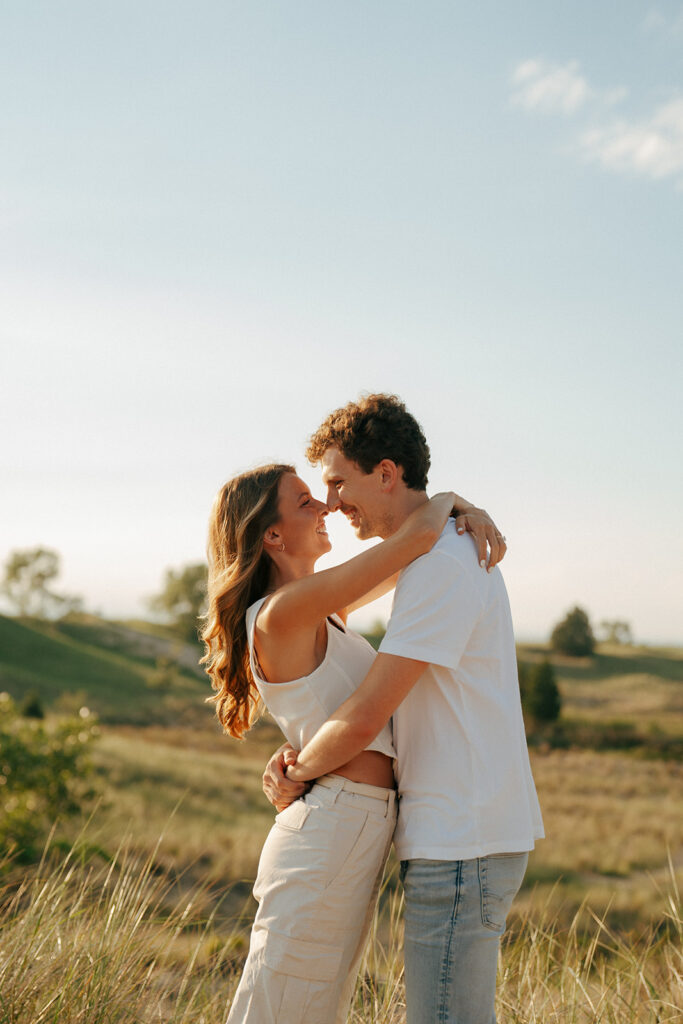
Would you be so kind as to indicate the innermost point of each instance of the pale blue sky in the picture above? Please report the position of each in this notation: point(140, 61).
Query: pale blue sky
point(220, 220)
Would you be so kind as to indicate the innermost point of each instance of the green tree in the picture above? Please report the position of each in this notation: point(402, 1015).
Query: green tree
point(616, 631)
point(183, 598)
point(573, 636)
point(28, 574)
point(542, 698)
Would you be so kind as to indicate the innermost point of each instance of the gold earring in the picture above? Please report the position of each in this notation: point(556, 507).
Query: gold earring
point(282, 546)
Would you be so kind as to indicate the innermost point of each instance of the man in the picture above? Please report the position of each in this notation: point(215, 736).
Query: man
point(446, 671)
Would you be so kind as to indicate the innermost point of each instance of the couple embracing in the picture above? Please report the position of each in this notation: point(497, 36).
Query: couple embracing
point(422, 743)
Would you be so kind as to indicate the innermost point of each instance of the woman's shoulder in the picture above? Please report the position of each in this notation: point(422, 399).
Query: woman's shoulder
point(251, 614)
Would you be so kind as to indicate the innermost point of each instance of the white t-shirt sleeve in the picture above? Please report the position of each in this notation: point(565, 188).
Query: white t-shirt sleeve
point(436, 607)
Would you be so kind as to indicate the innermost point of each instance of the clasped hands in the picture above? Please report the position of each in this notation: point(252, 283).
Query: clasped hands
point(280, 790)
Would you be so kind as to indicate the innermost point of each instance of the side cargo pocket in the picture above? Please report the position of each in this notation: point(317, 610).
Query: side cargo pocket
point(308, 977)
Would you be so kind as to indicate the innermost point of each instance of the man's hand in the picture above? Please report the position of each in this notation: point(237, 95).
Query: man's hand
point(485, 533)
point(280, 790)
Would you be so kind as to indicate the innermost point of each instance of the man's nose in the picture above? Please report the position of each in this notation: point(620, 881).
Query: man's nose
point(333, 500)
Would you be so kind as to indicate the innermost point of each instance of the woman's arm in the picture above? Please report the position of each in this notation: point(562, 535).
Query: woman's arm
point(311, 599)
point(372, 595)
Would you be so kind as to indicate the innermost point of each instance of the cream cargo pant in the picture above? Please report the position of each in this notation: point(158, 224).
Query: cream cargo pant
point(317, 885)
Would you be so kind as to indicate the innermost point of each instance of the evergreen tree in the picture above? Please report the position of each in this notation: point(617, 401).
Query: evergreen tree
point(523, 668)
point(543, 701)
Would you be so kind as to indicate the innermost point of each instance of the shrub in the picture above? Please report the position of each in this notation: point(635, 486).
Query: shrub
point(574, 636)
point(541, 694)
point(31, 706)
point(44, 773)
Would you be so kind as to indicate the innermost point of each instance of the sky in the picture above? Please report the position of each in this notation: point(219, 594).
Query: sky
point(219, 221)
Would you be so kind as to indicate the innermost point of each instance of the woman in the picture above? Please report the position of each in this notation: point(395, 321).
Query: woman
point(275, 635)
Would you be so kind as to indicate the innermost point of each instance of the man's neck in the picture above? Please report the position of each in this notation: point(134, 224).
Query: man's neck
point(403, 503)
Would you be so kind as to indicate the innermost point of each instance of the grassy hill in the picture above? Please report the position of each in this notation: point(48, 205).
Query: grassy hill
point(125, 676)
point(620, 698)
point(116, 668)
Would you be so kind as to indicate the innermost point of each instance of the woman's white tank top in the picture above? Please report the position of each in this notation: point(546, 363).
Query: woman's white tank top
point(300, 706)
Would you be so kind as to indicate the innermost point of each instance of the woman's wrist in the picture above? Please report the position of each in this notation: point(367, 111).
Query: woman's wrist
point(461, 506)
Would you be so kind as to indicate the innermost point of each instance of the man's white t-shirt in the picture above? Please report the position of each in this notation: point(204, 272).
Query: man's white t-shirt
point(463, 772)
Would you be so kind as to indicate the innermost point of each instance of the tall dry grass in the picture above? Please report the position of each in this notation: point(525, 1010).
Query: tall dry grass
point(102, 944)
point(83, 942)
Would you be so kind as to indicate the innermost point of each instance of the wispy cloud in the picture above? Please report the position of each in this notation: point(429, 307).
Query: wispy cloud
point(651, 147)
point(553, 88)
point(656, 22)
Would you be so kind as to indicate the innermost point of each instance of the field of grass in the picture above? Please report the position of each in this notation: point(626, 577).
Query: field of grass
point(613, 822)
point(117, 944)
point(156, 894)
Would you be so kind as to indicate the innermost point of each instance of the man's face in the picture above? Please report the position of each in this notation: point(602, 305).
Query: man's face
point(359, 495)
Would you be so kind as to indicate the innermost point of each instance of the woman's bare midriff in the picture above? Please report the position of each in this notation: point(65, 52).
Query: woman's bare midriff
point(371, 767)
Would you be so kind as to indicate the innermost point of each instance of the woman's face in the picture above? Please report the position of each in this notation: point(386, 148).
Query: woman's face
point(301, 523)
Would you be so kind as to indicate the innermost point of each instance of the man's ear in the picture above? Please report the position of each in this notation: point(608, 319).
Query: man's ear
point(389, 474)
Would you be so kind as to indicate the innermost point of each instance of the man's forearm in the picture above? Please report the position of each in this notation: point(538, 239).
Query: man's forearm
point(336, 742)
point(356, 723)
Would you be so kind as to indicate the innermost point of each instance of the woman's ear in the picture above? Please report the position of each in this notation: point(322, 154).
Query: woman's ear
point(389, 474)
point(272, 539)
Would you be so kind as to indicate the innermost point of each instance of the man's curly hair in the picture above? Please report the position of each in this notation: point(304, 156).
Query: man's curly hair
point(375, 427)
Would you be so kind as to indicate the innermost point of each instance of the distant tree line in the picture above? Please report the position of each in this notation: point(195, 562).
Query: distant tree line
point(28, 585)
point(574, 635)
point(181, 601)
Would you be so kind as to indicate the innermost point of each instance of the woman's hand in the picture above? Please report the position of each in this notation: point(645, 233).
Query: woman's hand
point(485, 533)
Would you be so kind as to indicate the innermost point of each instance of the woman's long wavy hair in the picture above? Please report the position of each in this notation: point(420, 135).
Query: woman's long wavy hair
point(239, 572)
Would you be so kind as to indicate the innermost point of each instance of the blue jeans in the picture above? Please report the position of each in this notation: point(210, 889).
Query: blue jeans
point(455, 915)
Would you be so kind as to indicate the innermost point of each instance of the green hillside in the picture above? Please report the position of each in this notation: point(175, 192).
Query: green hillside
point(638, 686)
point(117, 670)
point(119, 667)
